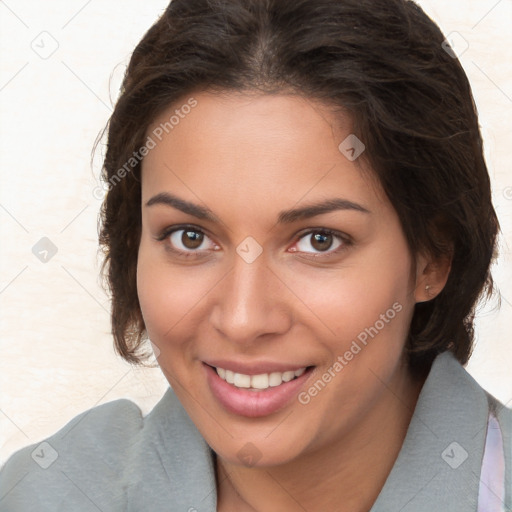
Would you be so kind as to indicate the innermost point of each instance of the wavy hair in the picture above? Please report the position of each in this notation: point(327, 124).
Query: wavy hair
point(384, 62)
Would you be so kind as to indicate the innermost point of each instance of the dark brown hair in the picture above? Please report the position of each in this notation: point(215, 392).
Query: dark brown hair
point(383, 62)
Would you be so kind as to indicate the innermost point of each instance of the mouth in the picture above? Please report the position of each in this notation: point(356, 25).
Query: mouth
point(256, 394)
point(258, 382)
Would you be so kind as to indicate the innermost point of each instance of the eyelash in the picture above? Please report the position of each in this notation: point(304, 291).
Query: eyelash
point(346, 241)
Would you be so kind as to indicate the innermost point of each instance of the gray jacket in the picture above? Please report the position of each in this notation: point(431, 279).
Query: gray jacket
point(111, 458)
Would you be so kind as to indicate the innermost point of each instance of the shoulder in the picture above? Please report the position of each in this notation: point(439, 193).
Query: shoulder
point(94, 442)
point(440, 463)
point(102, 459)
point(109, 425)
point(481, 426)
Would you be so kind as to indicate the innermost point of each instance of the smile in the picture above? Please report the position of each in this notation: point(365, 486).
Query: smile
point(255, 394)
point(258, 382)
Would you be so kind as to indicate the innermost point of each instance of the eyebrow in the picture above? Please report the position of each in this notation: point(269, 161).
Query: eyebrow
point(330, 205)
point(284, 217)
point(201, 212)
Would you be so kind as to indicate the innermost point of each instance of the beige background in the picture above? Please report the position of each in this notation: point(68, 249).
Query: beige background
point(57, 358)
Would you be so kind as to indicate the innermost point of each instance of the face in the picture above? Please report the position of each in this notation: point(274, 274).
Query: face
point(268, 254)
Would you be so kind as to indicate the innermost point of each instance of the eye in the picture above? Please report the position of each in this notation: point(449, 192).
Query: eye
point(187, 240)
point(321, 241)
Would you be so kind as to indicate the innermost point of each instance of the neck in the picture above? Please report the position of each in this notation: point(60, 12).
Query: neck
point(345, 475)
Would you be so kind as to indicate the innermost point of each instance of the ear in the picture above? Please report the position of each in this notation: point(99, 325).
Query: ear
point(431, 276)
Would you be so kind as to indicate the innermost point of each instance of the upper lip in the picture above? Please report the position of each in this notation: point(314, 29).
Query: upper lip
point(254, 367)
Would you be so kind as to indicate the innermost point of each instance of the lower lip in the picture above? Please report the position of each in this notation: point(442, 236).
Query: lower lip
point(254, 404)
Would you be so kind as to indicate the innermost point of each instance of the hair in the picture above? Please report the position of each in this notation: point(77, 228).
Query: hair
point(384, 62)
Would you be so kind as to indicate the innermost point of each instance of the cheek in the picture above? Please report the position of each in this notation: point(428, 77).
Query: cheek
point(368, 308)
point(166, 296)
point(353, 299)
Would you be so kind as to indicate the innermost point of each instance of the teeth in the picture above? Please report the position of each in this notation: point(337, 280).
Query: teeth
point(288, 376)
point(275, 379)
point(242, 381)
point(262, 381)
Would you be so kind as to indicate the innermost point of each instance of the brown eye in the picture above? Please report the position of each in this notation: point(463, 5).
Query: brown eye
point(192, 239)
point(188, 240)
point(321, 241)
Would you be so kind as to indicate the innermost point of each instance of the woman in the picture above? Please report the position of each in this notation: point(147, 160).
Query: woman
point(299, 218)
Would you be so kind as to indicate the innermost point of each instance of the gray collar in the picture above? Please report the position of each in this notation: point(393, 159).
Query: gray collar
point(439, 464)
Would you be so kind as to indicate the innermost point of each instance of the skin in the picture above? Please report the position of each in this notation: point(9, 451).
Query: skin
point(247, 157)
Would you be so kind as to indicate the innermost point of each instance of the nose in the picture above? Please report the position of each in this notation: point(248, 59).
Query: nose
point(251, 302)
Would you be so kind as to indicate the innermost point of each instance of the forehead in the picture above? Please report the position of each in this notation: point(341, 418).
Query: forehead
point(251, 149)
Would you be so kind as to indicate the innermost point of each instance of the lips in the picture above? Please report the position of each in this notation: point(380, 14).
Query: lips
point(253, 401)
